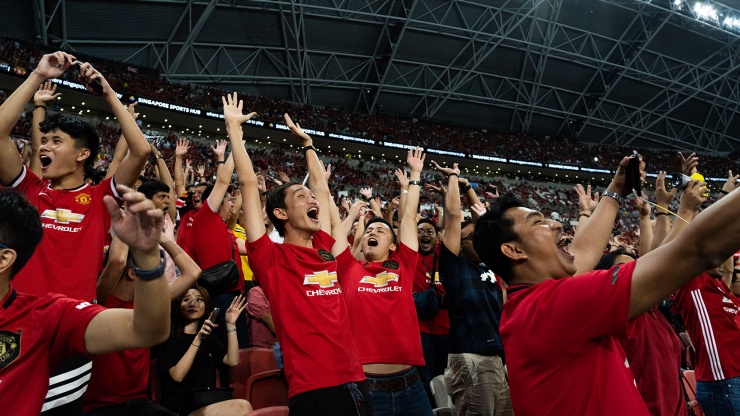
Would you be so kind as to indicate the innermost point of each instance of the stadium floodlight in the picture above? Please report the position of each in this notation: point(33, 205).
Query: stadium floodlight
point(731, 22)
point(677, 2)
point(705, 11)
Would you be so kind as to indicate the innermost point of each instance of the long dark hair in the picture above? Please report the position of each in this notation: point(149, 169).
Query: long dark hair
point(177, 329)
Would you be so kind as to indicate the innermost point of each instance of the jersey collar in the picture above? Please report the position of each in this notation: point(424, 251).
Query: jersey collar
point(9, 298)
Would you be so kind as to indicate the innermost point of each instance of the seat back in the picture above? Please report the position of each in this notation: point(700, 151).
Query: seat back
point(439, 391)
point(270, 411)
point(688, 346)
point(689, 384)
point(267, 389)
point(261, 360)
point(239, 374)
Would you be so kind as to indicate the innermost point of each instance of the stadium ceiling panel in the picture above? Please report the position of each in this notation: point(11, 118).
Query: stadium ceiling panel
point(653, 73)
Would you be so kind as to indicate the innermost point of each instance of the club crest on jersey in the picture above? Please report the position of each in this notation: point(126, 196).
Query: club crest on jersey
point(83, 199)
point(324, 279)
point(390, 264)
point(10, 347)
point(380, 279)
point(62, 216)
point(325, 255)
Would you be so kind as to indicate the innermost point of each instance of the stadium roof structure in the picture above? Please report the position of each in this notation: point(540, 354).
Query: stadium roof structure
point(652, 73)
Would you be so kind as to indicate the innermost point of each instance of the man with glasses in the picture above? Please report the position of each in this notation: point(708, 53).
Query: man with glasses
point(434, 330)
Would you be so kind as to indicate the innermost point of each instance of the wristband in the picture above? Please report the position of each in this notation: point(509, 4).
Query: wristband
point(158, 157)
point(404, 191)
point(466, 188)
point(613, 195)
point(658, 214)
point(723, 192)
point(415, 182)
point(584, 215)
point(39, 106)
point(453, 174)
point(151, 274)
point(305, 149)
point(220, 162)
point(228, 331)
point(193, 344)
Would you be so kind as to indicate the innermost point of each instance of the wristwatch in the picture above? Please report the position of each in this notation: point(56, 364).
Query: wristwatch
point(614, 195)
point(147, 275)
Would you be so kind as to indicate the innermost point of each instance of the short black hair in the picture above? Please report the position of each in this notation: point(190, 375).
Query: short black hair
point(151, 188)
point(608, 259)
point(427, 221)
point(276, 199)
point(20, 227)
point(83, 133)
point(492, 230)
point(208, 190)
point(384, 221)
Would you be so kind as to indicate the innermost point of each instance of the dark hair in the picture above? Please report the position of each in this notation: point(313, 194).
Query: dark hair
point(608, 259)
point(276, 199)
point(427, 221)
point(84, 135)
point(384, 221)
point(151, 188)
point(20, 227)
point(465, 224)
point(178, 322)
point(492, 230)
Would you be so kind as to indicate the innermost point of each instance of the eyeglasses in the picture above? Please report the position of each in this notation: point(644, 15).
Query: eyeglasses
point(427, 232)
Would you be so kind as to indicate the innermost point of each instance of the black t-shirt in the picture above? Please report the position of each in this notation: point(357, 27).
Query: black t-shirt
point(202, 374)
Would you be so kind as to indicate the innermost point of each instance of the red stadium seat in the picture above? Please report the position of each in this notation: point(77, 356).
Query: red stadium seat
point(155, 386)
point(689, 383)
point(267, 389)
point(252, 360)
point(270, 411)
point(688, 346)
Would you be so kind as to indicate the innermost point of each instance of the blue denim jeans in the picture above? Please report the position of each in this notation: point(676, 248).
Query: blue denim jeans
point(436, 349)
point(409, 401)
point(719, 398)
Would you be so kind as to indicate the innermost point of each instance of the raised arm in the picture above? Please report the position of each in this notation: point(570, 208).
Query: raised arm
point(663, 199)
point(46, 94)
point(108, 280)
point(646, 226)
point(707, 242)
point(232, 347)
point(51, 66)
point(407, 228)
point(316, 180)
point(121, 150)
point(166, 178)
point(253, 223)
point(139, 225)
point(591, 238)
point(223, 175)
point(181, 149)
point(189, 270)
point(403, 181)
point(691, 199)
point(453, 222)
point(130, 168)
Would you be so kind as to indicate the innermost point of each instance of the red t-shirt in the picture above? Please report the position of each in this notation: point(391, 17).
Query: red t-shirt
point(562, 353)
point(709, 310)
point(185, 231)
point(76, 223)
point(654, 354)
point(309, 312)
point(212, 242)
point(36, 334)
point(120, 376)
point(440, 324)
point(381, 307)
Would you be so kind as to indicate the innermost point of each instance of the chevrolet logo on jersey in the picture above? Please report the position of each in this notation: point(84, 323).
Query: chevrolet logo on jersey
point(62, 216)
point(324, 279)
point(381, 279)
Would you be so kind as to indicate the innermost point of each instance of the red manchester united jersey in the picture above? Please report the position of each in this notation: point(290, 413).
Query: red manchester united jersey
point(36, 334)
point(309, 312)
point(426, 267)
point(381, 307)
point(562, 353)
point(119, 376)
point(76, 223)
point(709, 311)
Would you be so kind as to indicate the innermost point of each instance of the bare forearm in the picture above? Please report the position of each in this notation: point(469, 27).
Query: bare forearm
point(592, 237)
point(182, 368)
point(646, 235)
point(179, 176)
point(232, 349)
point(151, 321)
point(12, 108)
point(188, 268)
